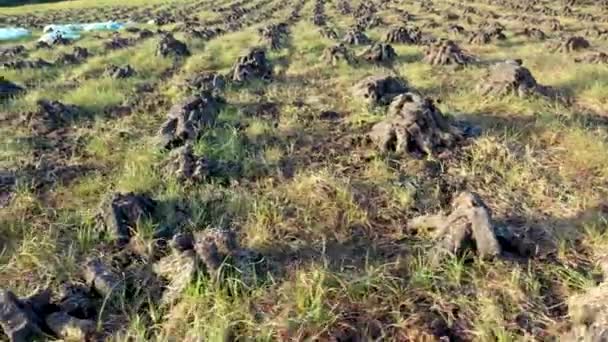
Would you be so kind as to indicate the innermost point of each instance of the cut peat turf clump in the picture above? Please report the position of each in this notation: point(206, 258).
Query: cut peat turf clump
point(187, 118)
point(589, 315)
point(305, 170)
point(186, 167)
point(337, 53)
point(380, 53)
point(32, 318)
point(274, 35)
point(415, 126)
point(468, 226)
point(252, 65)
point(207, 252)
point(9, 89)
point(168, 46)
point(480, 38)
point(571, 44)
point(403, 35)
point(328, 33)
point(121, 215)
point(511, 78)
point(26, 64)
point(12, 51)
point(356, 37)
point(379, 90)
point(206, 82)
point(50, 116)
point(593, 58)
point(533, 33)
point(117, 72)
point(77, 56)
point(446, 52)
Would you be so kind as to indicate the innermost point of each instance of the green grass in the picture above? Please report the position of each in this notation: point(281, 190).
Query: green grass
point(327, 210)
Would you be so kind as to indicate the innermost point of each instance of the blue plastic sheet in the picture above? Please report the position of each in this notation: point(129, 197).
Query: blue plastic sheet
point(107, 26)
point(12, 33)
point(73, 31)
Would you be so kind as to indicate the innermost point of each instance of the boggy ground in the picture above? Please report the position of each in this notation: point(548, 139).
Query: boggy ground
point(282, 159)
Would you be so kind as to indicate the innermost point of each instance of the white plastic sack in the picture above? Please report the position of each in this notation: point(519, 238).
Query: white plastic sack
point(73, 31)
point(12, 33)
point(51, 36)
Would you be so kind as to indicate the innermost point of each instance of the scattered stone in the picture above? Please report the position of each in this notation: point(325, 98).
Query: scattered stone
point(252, 65)
point(594, 58)
point(380, 53)
point(511, 78)
point(16, 319)
point(114, 71)
point(70, 328)
point(572, 44)
point(379, 89)
point(50, 116)
point(356, 37)
point(414, 126)
point(26, 64)
point(468, 226)
point(187, 118)
point(403, 35)
point(335, 54)
point(9, 89)
point(120, 217)
point(446, 52)
point(169, 46)
point(105, 281)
